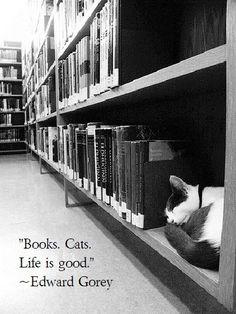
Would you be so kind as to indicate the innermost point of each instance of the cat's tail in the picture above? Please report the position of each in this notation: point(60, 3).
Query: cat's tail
point(200, 254)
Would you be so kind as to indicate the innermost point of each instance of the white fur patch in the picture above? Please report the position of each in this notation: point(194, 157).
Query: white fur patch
point(211, 194)
point(212, 228)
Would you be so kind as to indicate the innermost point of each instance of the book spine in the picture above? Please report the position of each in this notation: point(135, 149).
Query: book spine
point(85, 167)
point(103, 166)
point(109, 188)
point(128, 181)
point(116, 44)
point(98, 164)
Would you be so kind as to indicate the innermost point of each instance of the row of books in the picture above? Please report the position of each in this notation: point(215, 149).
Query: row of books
point(116, 163)
point(5, 119)
point(10, 104)
point(70, 14)
point(10, 55)
point(45, 13)
point(104, 71)
point(31, 137)
point(73, 73)
point(93, 67)
point(37, 27)
point(9, 72)
point(12, 135)
point(8, 119)
point(5, 88)
point(48, 141)
point(45, 60)
point(45, 99)
point(31, 112)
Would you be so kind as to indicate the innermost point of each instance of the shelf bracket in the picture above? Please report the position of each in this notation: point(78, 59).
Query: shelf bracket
point(67, 203)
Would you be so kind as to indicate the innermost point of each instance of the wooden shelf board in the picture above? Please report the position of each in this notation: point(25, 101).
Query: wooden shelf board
point(32, 96)
point(10, 80)
point(10, 96)
point(49, 117)
point(7, 142)
point(202, 72)
point(7, 112)
point(13, 151)
point(50, 71)
point(80, 30)
point(10, 63)
point(10, 48)
point(11, 126)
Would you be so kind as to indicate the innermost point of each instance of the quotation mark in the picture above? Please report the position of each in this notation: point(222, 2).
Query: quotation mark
point(91, 259)
point(21, 240)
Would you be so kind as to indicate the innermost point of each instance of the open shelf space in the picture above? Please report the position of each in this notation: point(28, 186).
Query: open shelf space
point(202, 72)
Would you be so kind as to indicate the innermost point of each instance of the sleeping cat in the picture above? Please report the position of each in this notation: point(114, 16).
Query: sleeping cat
point(195, 223)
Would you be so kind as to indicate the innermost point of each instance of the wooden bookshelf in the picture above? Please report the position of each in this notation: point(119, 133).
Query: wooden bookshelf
point(201, 72)
point(155, 238)
point(200, 87)
point(79, 32)
point(13, 140)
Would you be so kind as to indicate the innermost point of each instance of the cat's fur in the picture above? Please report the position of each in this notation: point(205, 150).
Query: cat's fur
point(195, 232)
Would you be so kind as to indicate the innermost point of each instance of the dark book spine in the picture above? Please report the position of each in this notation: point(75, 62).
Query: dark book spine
point(80, 157)
point(85, 177)
point(128, 181)
point(143, 157)
point(115, 198)
point(90, 163)
point(103, 165)
point(98, 164)
point(97, 54)
point(133, 181)
point(109, 188)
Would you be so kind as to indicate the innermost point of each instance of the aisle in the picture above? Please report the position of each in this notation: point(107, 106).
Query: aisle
point(32, 206)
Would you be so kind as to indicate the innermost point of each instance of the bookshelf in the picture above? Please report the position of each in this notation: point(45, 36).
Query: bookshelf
point(190, 91)
point(12, 137)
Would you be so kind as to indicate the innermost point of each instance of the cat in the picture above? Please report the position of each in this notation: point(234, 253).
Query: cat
point(194, 222)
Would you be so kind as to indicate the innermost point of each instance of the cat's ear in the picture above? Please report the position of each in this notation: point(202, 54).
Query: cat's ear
point(178, 184)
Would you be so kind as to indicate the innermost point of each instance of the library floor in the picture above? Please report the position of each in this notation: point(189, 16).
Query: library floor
point(133, 278)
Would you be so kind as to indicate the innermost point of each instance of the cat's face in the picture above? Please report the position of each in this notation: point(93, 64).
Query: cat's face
point(183, 201)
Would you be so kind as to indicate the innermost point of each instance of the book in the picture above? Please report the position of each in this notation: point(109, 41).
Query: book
point(103, 169)
point(127, 133)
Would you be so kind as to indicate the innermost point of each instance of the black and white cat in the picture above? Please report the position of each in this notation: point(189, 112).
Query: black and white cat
point(195, 224)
